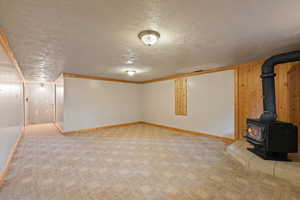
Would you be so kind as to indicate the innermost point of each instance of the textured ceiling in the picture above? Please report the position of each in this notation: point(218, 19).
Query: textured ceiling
point(97, 37)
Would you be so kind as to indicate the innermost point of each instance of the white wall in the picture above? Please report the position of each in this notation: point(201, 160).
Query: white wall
point(11, 107)
point(94, 103)
point(59, 102)
point(210, 104)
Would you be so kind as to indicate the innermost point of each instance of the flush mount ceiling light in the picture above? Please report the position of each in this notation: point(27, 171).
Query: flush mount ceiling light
point(129, 62)
point(131, 72)
point(149, 37)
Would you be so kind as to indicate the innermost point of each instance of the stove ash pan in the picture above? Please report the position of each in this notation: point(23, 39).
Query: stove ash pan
point(272, 140)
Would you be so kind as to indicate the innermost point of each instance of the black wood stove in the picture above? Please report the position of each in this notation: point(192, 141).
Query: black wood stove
point(272, 139)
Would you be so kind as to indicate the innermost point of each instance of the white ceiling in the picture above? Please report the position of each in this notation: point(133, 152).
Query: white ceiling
point(98, 37)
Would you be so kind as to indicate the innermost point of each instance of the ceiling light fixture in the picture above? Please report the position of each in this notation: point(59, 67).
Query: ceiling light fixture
point(129, 62)
point(131, 72)
point(149, 37)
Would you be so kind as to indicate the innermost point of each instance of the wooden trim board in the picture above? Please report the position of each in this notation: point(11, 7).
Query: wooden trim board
point(227, 140)
point(69, 75)
point(218, 69)
point(5, 44)
point(4, 172)
point(100, 128)
point(57, 126)
point(223, 139)
point(236, 103)
point(184, 75)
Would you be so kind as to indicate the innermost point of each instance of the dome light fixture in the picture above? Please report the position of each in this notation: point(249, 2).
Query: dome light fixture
point(131, 72)
point(129, 62)
point(149, 37)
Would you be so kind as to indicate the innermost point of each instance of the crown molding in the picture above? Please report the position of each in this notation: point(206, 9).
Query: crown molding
point(70, 75)
point(184, 75)
point(218, 69)
point(5, 44)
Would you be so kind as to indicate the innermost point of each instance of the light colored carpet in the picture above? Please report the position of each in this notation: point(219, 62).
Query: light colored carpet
point(132, 163)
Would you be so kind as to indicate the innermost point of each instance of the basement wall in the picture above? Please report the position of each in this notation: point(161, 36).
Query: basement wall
point(210, 104)
point(211, 100)
point(94, 103)
point(11, 108)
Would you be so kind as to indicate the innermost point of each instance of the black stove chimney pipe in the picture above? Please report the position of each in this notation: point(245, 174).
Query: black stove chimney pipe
point(268, 82)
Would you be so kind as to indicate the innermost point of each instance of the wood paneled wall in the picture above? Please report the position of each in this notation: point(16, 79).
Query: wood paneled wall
point(249, 93)
point(181, 96)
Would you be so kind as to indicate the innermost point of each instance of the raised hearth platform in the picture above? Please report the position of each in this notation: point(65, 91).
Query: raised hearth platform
point(289, 171)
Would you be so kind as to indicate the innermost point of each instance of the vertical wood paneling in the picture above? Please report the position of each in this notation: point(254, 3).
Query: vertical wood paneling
point(181, 96)
point(294, 95)
point(282, 91)
point(249, 96)
point(236, 103)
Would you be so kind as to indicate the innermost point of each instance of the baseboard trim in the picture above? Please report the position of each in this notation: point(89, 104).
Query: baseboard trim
point(4, 172)
point(100, 128)
point(57, 126)
point(223, 139)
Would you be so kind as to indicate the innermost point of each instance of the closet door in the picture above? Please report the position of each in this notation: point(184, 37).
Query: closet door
point(41, 103)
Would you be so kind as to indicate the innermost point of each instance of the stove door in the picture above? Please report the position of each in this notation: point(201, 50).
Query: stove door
point(256, 132)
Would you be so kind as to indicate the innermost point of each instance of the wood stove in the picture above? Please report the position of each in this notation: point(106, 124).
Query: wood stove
point(272, 139)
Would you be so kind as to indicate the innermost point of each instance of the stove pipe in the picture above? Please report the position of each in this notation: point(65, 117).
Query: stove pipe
point(268, 82)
